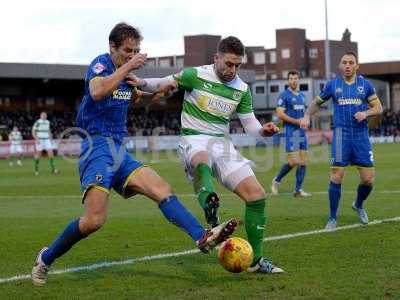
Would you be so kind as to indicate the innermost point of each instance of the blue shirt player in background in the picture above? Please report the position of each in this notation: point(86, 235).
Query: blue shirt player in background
point(354, 99)
point(104, 162)
point(290, 109)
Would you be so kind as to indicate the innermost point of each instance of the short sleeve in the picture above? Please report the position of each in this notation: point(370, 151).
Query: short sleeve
point(370, 92)
point(326, 93)
point(246, 103)
point(281, 102)
point(186, 79)
point(98, 68)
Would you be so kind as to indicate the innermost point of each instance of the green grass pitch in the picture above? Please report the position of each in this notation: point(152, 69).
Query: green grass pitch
point(357, 263)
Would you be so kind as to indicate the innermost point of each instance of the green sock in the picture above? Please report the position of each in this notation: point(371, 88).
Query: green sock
point(203, 183)
point(255, 226)
point(52, 164)
point(36, 164)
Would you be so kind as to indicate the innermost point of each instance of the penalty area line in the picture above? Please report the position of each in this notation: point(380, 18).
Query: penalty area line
point(108, 264)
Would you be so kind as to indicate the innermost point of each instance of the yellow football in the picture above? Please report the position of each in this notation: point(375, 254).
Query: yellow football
point(235, 255)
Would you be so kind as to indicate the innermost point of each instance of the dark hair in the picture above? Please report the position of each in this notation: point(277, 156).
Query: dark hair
point(121, 32)
point(293, 72)
point(231, 44)
point(353, 54)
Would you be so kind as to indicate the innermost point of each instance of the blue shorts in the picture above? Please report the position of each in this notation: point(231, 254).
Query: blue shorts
point(99, 168)
point(295, 139)
point(346, 152)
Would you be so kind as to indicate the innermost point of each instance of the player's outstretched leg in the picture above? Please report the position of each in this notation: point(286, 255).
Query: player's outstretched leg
point(204, 188)
point(150, 184)
point(96, 203)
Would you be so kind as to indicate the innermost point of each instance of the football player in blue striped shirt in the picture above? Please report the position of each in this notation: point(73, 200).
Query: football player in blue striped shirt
point(354, 100)
point(104, 163)
point(290, 109)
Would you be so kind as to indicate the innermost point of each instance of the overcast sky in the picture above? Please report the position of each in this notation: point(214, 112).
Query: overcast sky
point(74, 32)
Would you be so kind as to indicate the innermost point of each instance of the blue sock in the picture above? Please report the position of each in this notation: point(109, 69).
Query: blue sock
point(300, 174)
point(284, 170)
point(177, 214)
point(362, 193)
point(69, 237)
point(335, 191)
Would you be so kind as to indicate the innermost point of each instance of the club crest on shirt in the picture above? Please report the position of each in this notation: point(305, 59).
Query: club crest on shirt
point(338, 90)
point(236, 95)
point(98, 68)
point(99, 178)
point(360, 89)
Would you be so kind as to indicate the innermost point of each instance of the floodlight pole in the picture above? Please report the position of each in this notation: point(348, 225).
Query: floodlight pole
point(327, 48)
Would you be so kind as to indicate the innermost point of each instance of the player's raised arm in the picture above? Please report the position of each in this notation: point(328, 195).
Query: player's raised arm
point(101, 87)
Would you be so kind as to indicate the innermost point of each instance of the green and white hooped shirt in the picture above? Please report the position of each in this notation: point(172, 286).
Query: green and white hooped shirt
point(15, 137)
point(42, 128)
point(209, 103)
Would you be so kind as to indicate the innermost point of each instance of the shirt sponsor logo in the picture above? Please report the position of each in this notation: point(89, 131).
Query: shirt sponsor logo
point(216, 106)
point(349, 101)
point(98, 68)
point(298, 107)
point(122, 95)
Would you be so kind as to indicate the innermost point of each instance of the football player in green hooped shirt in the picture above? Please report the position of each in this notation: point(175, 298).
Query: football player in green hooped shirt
point(212, 94)
point(41, 133)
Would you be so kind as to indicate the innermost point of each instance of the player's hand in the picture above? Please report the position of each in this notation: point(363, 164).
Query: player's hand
point(137, 61)
point(269, 129)
point(360, 116)
point(134, 80)
point(305, 122)
point(165, 90)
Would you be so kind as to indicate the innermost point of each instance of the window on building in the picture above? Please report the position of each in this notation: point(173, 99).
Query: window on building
point(272, 57)
point(285, 73)
point(259, 58)
point(164, 63)
point(274, 76)
point(314, 73)
point(179, 62)
point(274, 88)
point(286, 86)
point(313, 53)
point(303, 87)
point(302, 52)
point(285, 53)
point(151, 62)
point(50, 101)
point(260, 90)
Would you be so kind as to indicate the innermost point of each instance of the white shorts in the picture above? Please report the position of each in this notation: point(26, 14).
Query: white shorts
point(43, 144)
point(228, 165)
point(16, 149)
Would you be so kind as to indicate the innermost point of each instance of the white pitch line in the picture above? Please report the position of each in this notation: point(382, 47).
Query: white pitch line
point(107, 264)
point(186, 195)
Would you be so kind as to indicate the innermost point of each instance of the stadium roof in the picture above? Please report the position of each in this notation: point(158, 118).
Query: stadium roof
point(77, 72)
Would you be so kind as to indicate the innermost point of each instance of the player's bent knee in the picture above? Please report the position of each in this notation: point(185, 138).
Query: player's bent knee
point(90, 224)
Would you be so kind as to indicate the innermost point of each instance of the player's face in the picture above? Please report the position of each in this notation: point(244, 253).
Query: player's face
point(15, 128)
point(293, 81)
point(43, 116)
point(348, 66)
point(125, 51)
point(227, 65)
